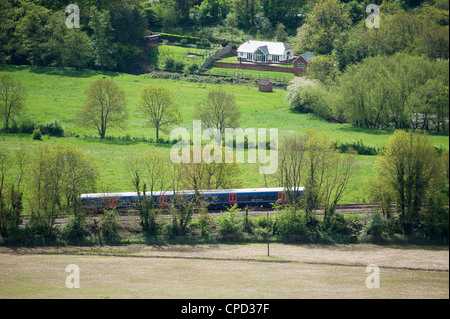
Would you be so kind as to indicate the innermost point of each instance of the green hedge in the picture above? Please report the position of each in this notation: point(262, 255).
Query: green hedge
point(178, 38)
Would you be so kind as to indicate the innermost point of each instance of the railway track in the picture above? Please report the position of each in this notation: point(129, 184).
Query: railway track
point(132, 216)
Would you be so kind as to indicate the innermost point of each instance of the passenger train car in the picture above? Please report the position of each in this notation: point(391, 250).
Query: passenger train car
point(214, 198)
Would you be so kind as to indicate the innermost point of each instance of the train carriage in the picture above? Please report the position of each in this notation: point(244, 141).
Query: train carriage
point(214, 198)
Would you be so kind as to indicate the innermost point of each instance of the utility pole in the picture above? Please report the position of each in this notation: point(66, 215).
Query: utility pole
point(268, 242)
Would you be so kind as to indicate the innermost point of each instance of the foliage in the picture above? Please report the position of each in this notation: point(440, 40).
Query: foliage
point(58, 175)
point(219, 110)
point(37, 135)
point(106, 106)
point(157, 104)
point(12, 96)
point(229, 223)
point(410, 170)
point(53, 128)
point(109, 226)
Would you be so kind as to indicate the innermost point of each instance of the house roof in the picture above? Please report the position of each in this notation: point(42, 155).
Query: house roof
point(307, 56)
point(267, 47)
point(264, 82)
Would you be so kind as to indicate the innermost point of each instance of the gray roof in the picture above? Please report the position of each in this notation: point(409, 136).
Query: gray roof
point(307, 56)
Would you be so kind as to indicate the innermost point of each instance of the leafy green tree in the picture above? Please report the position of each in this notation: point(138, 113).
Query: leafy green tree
point(323, 68)
point(323, 25)
point(407, 167)
point(30, 33)
point(77, 51)
point(58, 175)
point(102, 39)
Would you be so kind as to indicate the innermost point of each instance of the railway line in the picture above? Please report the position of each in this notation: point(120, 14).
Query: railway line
point(132, 216)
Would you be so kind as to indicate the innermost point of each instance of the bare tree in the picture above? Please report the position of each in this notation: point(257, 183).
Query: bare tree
point(311, 161)
point(106, 107)
point(291, 169)
point(148, 172)
point(219, 110)
point(158, 105)
point(12, 97)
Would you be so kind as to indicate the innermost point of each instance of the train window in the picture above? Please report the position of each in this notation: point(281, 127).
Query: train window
point(265, 196)
point(273, 196)
point(223, 198)
point(249, 197)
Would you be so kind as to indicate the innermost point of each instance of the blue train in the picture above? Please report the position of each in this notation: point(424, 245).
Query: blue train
point(214, 198)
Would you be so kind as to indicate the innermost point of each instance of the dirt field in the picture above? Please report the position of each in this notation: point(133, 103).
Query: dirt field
point(226, 271)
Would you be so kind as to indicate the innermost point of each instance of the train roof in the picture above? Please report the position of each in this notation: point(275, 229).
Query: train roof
point(190, 192)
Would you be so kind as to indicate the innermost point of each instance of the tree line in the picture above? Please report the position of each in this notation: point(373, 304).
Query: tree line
point(110, 36)
point(399, 91)
point(410, 187)
point(394, 76)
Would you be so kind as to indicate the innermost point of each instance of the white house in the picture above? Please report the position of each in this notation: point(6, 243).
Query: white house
point(264, 52)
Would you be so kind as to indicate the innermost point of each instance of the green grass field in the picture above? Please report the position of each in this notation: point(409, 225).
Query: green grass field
point(56, 93)
point(270, 75)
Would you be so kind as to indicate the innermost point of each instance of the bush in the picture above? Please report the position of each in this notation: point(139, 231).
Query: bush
point(179, 38)
point(37, 135)
point(75, 230)
point(229, 222)
point(109, 226)
point(359, 147)
point(53, 128)
point(291, 225)
point(178, 65)
point(169, 63)
point(203, 43)
point(27, 126)
point(191, 68)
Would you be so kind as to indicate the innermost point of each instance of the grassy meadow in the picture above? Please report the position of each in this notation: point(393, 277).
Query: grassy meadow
point(58, 93)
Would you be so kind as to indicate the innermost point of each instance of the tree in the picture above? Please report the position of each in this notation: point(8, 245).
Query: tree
point(406, 168)
point(323, 24)
point(58, 176)
point(77, 49)
point(324, 68)
point(311, 161)
point(105, 107)
point(102, 39)
point(11, 194)
point(12, 97)
point(219, 110)
point(158, 105)
point(148, 173)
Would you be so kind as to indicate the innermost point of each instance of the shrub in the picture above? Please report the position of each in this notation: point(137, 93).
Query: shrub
point(27, 126)
point(229, 222)
point(53, 128)
point(169, 63)
point(178, 65)
point(290, 225)
point(37, 135)
point(191, 68)
point(359, 147)
point(109, 226)
point(75, 230)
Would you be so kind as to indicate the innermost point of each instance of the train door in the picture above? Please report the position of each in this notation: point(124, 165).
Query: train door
point(163, 200)
point(281, 197)
point(113, 202)
point(232, 199)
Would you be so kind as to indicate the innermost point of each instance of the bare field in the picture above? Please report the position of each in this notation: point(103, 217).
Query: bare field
point(226, 271)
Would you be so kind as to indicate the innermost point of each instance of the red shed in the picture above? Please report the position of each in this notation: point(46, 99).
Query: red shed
point(265, 85)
